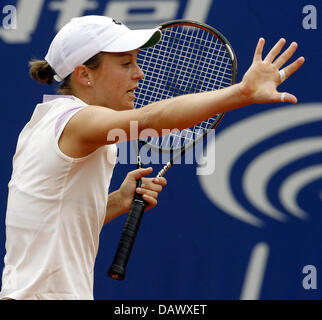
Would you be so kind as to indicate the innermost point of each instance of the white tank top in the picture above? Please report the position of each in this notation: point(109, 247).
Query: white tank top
point(56, 209)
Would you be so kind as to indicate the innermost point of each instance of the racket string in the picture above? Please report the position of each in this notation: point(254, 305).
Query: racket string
point(187, 60)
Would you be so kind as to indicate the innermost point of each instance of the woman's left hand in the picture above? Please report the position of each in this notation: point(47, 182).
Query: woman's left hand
point(150, 188)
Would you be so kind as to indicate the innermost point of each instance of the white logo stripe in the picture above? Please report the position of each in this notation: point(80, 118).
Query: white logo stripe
point(255, 272)
point(233, 141)
point(263, 167)
point(293, 184)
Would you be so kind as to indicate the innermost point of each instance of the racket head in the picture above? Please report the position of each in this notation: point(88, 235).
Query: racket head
point(191, 57)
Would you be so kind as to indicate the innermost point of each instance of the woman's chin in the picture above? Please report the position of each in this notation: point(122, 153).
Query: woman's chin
point(129, 106)
point(123, 107)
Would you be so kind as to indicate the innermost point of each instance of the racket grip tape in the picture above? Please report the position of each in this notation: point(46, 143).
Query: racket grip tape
point(128, 236)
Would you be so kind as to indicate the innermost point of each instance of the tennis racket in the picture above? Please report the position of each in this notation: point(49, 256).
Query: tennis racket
point(191, 57)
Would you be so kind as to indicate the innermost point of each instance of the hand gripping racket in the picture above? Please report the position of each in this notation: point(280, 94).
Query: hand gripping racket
point(191, 57)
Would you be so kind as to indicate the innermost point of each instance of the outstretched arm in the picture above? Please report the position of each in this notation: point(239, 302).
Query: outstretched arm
point(90, 127)
point(259, 85)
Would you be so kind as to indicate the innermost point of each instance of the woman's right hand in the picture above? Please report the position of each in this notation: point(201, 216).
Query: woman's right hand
point(260, 82)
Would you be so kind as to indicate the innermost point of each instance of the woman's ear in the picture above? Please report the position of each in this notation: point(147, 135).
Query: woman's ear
point(82, 75)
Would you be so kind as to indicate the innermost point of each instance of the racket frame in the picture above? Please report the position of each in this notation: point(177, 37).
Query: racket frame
point(132, 224)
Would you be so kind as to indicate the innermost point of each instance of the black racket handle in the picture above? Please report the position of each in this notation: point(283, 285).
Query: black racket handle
point(129, 233)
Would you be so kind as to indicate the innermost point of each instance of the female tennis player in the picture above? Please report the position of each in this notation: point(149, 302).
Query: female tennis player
point(58, 196)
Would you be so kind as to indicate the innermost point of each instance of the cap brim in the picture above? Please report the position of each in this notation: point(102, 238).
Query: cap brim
point(134, 39)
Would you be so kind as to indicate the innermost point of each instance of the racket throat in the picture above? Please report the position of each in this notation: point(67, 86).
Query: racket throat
point(164, 169)
point(138, 161)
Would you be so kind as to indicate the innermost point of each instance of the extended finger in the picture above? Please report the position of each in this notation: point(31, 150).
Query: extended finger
point(275, 51)
point(286, 97)
point(286, 55)
point(259, 50)
point(293, 67)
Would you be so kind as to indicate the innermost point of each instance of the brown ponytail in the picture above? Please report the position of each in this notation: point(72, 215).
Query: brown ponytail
point(41, 71)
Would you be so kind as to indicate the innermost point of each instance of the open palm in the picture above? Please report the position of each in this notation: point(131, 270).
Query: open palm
point(263, 77)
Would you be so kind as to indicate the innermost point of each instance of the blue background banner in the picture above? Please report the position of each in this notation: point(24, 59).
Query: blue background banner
point(251, 229)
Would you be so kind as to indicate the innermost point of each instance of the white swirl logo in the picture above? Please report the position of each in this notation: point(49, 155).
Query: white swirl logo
point(274, 145)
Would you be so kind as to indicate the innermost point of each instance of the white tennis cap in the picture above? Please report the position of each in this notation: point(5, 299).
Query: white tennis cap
point(84, 37)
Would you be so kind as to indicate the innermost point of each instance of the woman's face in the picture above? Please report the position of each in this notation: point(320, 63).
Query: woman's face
point(116, 79)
